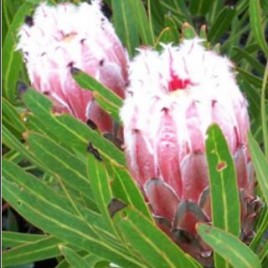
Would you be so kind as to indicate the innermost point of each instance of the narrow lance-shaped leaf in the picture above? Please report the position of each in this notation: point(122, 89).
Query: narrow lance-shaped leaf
point(14, 143)
point(51, 215)
point(125, 24)
point(264, 252)
point(253, 79)
point(257, 24)
point(261, 166)
point(146, 239)
point(145, 32)
point(90, 83)
point(178, 9)
point(12, 60)
point(261, 230)
point(229, 247)
point(107, 106)
point(200, 6)
point(223, 186)
point(95, 221)
point(12, 239)
point(169, 34)
point(11, 115)
point(223, 183)
point(30, 182)
point(221, 24)
point(73, 257)
point(44, 248)
point(60, 162)
point(241, 53)
point(100, 182)
point(91, 260)
point(126, 189)
point(68, 130)
point(264, 110)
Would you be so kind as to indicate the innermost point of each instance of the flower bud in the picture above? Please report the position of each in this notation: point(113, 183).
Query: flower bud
point(66, 36)
point(173, 97)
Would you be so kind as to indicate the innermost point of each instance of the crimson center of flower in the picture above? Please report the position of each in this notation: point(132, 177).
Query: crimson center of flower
point(177, 83)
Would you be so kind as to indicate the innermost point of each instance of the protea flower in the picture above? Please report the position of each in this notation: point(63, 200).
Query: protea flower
point(173, 97)
point(60, 37)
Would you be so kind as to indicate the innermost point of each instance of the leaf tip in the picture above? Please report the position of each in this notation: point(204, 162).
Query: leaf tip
point(115, 205)
point(74, 70)
point(91, 149)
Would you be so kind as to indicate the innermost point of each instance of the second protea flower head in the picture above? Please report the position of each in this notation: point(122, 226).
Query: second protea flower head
point(60, 37)
point(173, 97)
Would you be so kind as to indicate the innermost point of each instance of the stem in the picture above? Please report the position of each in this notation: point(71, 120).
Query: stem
point(263, 112)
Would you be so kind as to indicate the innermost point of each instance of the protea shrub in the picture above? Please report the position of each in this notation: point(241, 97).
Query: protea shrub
point(173, 97)
point(61, 37)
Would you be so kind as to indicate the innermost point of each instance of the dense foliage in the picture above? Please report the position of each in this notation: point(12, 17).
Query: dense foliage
point(61, 202)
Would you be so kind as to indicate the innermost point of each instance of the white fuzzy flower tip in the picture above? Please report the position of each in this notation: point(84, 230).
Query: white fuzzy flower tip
point(60, 37)
point(172, 99)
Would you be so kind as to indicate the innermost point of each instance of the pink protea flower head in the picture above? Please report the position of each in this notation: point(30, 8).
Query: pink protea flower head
point(173, 97)
point(60, 37)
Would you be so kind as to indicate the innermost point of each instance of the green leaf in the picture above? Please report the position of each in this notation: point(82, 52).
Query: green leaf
point(242, 54)
point(7, 17)
point(229, 247)
point(29, 181)
point(147, 240)
point(223, 185)
point(76, 129)
point(47, 210)
point(221, 24)
point(100, 182)
point(42, 248)
point(265, 262)
point(88, 82)
point(73, 257)
point(261, 166)
point(145, 31)
point(125, 188)
point(165, 37)
point(264, 252)
point(68, 130)
point(12, 118)
point(264, 109)
point(90, 259)
point(94, 261)
point(253, 97)
point(257, 24)
point(12, 62)
point(156, 14)
point(252, 79)
point(61, 163)
point(200, 6)
point(170, 33)
point(12, 239)
point(13, 143)
point(178, 9)
point(260, 232)
point(125, 24)
point(107, 106)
